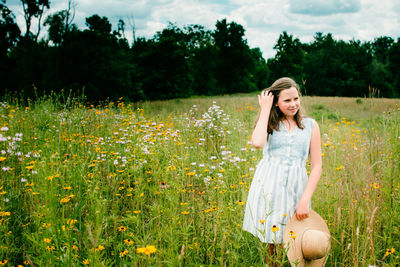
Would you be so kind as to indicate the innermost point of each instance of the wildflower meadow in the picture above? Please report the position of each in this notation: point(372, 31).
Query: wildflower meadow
point(165, 183)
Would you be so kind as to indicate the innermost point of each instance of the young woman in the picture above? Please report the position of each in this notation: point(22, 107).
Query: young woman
point(281, 187)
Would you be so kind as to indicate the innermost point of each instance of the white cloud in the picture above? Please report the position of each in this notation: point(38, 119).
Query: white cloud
point(326, 7)
point(185, 12)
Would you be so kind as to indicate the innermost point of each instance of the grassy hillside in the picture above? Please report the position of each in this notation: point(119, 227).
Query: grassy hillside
point(165, 182)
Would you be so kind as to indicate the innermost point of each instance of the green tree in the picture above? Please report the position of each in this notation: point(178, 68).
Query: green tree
point(394, 66)
point(9, 30)
point(121, 29)
point(9, 35)
point(260, 74)
point(289, 58)
point(96, 60)
point(356, 58)
point(381, 46)
point(381, 77)
point(60, 24)
point(26, 61)
point(234, 59)
point(321, 67)
point(336, 68)
point(29, 63)
point(34, 9)
point(98, 24)
point(201, 60)
point(162, 69)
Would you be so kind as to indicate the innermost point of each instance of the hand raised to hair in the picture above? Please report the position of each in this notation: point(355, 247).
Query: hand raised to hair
point(266, 99)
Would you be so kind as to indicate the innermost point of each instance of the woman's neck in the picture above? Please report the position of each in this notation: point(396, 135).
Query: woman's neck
point(288, 119)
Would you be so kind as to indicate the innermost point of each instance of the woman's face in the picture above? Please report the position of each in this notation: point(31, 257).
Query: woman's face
point(289, 102)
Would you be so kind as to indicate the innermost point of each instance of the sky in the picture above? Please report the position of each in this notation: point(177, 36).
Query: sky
point(263, 20)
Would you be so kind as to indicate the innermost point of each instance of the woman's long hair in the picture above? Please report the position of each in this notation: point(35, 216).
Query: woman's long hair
point(276, 115)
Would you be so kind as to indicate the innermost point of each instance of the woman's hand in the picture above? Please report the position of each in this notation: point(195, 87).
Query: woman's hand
point(303, 209)
point(260, 132)
point(266, 99)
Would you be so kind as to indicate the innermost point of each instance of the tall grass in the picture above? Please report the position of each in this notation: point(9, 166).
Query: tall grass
point(165, 182)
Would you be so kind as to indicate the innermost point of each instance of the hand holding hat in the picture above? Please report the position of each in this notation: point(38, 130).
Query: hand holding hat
point(307, 241)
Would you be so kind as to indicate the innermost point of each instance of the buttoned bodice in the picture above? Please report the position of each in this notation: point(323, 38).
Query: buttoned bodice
point(289, 147)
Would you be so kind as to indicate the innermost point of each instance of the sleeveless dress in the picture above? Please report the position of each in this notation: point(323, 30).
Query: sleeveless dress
point(279, 182)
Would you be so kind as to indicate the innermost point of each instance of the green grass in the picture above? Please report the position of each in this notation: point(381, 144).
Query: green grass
point(96, 185)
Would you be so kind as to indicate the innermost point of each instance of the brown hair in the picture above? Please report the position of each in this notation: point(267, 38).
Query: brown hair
point(276, 114)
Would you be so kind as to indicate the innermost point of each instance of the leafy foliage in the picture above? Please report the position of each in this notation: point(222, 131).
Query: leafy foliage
point(181, 62)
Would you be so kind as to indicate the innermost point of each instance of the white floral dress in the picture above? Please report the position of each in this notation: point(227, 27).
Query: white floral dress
point(278, 183)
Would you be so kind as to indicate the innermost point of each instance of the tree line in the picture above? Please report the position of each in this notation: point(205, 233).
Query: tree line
point(180, 62)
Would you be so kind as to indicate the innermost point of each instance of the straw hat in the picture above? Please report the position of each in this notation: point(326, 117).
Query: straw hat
point(307, 241)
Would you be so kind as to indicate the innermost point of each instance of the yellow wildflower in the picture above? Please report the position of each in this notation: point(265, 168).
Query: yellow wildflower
point(50, 248)
point(274, 228)
point(29, 167)
point(390, 251)
point(99, 248)
point(122, 228)
point(128, 242)
point(209, 210)
point(123, 253)
point(71, 221)
point(340, 168)
point(65, 200)
point(171, 168)
point(292, 234)
point(147, 250)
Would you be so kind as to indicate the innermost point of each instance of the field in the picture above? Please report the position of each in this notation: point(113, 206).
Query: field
point(164, 183)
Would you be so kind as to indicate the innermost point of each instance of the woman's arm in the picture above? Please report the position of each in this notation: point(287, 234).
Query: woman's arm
point(303, 210)
point(260, 132)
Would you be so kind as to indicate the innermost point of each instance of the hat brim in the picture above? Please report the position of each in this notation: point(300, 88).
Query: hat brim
point(293, 245)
